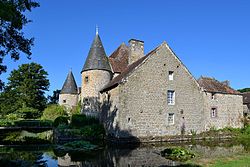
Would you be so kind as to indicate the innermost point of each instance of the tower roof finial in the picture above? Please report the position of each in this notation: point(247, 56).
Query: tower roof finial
point(96, 29)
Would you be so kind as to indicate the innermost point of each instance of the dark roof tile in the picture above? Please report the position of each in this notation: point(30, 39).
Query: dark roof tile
point(69, 86)
point(97, 58)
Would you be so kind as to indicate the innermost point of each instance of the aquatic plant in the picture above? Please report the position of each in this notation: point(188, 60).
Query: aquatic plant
point(177, 154)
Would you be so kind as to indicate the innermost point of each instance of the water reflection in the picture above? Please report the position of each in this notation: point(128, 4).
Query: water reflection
point(129, 156)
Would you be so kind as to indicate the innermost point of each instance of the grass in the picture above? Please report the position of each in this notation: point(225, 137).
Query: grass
point(236, 161)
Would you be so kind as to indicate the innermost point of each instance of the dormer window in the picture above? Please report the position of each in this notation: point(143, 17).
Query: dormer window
point(86, 79)
point(171, 75)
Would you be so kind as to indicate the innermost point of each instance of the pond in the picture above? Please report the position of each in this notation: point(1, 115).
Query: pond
point(117, 155)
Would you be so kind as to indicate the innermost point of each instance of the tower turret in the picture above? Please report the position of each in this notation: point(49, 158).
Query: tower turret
point(96, 73)
point(69, 92)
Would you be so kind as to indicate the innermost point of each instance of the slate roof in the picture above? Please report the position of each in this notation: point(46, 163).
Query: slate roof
point(69, 86)
point(246, 98)
point(119, 58)
point(97, 58)
point(118, 79)
point(212, 85)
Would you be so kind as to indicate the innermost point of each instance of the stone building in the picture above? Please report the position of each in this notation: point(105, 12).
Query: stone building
point(138, 95)
point(69, 94)
point(246, 103)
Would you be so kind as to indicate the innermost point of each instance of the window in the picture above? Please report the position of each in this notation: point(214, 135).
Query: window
point(64, 101)
point(86, 79)
point(171, 75)
point(171, 97)
point(213, 112)
point(171, 119)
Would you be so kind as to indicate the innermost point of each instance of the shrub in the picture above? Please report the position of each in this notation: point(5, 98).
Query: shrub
point(78, 120)
point(12, 117)
point(76, 109)
point(29, 123)
point(4, 122)
point(53, 111)
point(28, 112)
point(61, 120)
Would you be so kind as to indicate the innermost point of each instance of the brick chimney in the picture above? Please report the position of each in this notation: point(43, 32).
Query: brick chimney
point(136, 50)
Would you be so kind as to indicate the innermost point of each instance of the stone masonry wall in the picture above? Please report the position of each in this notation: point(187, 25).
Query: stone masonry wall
point(68, 100)
point(246, 109)
point(97, 79)
point(110, 111)
point(143, 108)
point(229, 110)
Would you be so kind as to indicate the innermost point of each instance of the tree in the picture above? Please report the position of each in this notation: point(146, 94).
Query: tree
point(25, 89)
point(55, 97)
point(244, 90)
point(12, 21)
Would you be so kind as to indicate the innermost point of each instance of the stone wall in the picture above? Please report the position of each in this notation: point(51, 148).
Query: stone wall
point(143, 108)
point(92, 82)
point(110, 111)
point(246, 109)
point(136, 50)
point(229, 110)
point(68, 100)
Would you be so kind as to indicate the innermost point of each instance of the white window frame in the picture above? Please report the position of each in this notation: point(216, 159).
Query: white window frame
point(214, 112)
point(170, 118)
point(171, 97)
point(170, 75)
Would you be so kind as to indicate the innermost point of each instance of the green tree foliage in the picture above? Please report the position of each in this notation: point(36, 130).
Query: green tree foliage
point(25, 88)
point(53, 111)
point(12, 21)
point(55, 97)
point(244, 90)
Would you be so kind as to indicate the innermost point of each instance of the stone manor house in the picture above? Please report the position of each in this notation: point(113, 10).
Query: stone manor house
point(154, 94)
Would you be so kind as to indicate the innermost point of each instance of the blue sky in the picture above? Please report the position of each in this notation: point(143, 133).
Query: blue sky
point(211, 37)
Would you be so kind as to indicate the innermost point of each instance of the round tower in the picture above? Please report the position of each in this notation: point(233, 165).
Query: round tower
point(96, 73)
point(68, 96)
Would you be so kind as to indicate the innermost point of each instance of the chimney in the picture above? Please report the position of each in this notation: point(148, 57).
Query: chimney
point(136, 50)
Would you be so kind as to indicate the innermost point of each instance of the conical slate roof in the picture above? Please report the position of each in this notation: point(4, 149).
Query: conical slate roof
point(69, 86)
point(97, 59)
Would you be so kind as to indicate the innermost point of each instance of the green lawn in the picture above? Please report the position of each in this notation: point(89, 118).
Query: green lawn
point(238, 161)
point(242, 160)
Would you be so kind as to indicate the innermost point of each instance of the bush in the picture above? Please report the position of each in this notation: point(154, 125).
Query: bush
point(76, 109)
point(79, 120)
point(61, 120)
point(12, 117)
point(29, 123)
point(28, 112)
point(4, 122)
point(53, 111)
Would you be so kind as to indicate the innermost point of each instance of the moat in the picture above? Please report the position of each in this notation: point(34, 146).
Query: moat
point(119, 155)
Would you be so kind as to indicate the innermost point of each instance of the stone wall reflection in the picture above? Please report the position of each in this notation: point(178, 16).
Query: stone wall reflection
point(140, 156)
